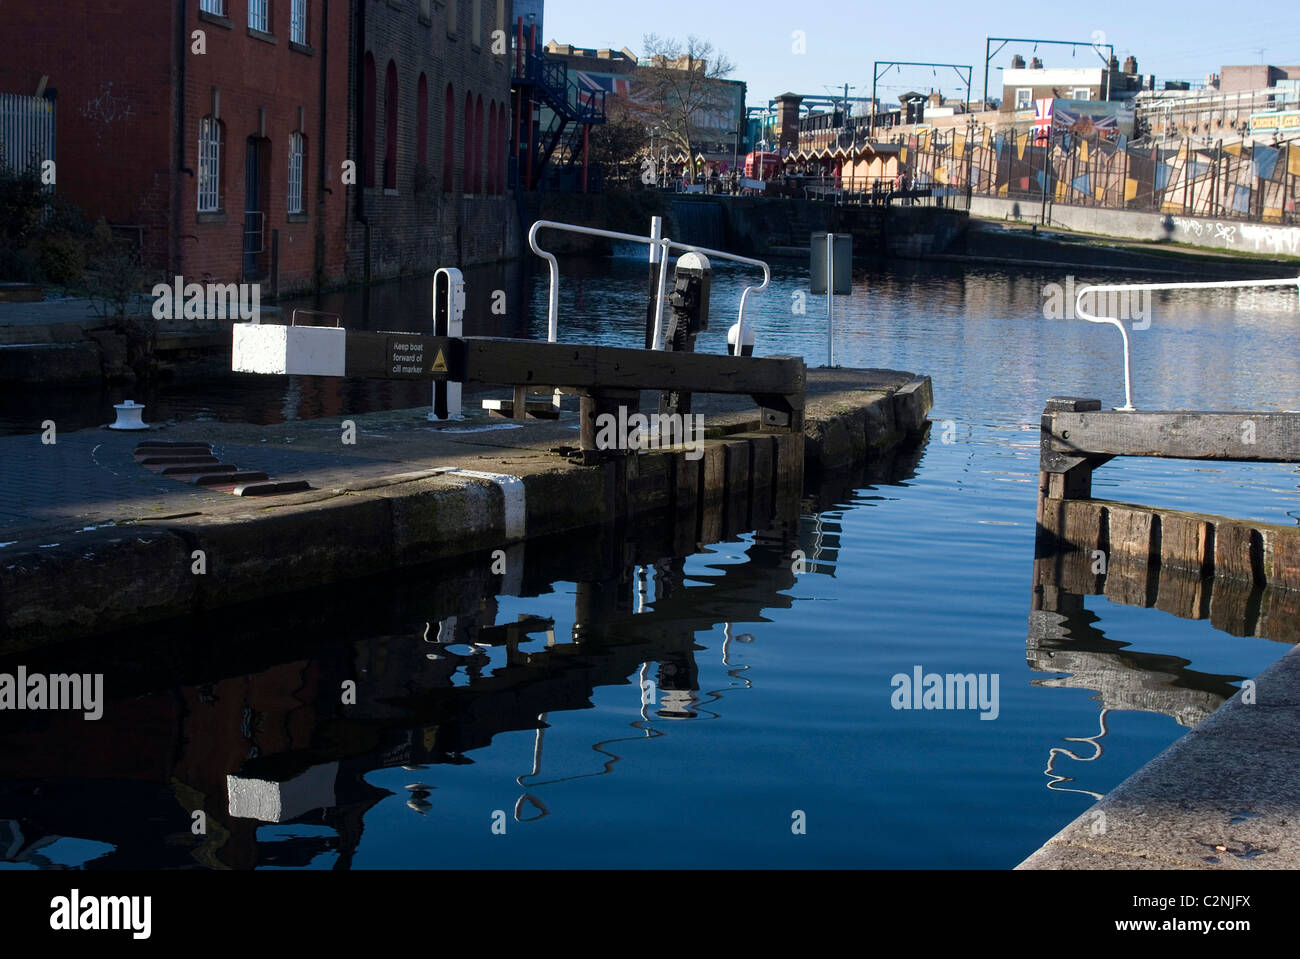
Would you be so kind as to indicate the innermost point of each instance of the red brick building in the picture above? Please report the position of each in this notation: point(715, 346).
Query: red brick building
point(219, 130)
point(217, 127)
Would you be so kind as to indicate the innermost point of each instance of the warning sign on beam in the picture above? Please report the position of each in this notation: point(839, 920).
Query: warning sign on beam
point(406, 358)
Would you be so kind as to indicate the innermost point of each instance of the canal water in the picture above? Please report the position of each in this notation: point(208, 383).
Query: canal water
point(724, 709)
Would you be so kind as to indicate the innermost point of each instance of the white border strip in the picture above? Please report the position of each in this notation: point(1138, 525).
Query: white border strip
point(512, 489)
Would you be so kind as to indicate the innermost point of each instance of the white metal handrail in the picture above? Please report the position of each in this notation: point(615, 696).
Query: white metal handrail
point(664, 244)
point(1144, 287)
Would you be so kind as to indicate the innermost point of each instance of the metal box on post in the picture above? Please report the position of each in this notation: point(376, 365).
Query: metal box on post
point(841, 276)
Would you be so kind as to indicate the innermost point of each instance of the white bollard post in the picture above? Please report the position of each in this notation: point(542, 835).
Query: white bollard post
point(747, 347)
point(448, 320)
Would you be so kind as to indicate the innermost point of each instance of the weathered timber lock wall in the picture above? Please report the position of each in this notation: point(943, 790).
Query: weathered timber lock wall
point(1077, 437)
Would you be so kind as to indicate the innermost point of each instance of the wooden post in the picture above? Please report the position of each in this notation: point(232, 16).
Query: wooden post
point(595, 405)
point(1061, 476)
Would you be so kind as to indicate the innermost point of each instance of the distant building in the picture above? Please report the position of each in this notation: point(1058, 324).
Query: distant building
point(1238, 79)
point(1239, 102)
point(786, 128)
point(1084, 100)
point(620, 73)
point(1022, 85)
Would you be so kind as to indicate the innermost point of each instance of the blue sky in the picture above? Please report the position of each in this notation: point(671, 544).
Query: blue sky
point(1182, 40)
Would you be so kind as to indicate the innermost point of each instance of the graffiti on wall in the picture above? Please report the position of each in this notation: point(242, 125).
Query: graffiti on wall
point(1256, 237)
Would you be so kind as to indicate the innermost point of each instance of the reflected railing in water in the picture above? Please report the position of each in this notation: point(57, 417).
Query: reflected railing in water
point(1063, 638)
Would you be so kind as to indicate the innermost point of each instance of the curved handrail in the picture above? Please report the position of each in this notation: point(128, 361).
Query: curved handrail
point(1080, 312)
point(665, 244)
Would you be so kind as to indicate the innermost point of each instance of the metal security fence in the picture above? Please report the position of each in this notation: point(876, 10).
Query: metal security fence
point(27, 132)
point(1185, 177)
point(1222, 178)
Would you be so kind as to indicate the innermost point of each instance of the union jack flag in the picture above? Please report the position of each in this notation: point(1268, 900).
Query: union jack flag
point(1043, 118)
point(596, 82)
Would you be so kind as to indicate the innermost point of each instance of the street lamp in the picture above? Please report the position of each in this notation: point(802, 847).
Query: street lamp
point(735, 150)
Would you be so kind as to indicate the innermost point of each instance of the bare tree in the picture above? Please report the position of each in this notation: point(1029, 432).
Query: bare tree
point(680, 91)
point(620, 139)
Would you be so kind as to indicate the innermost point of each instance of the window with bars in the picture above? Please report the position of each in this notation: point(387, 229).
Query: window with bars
point(298, 22)
point(209, 165)
point(259, 15)
point(216, 7)
point(297, 150)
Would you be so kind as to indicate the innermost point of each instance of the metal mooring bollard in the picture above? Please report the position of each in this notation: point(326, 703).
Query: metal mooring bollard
point(130, 416)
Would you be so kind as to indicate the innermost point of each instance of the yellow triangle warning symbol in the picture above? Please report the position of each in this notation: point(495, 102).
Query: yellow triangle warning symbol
point(439, 363)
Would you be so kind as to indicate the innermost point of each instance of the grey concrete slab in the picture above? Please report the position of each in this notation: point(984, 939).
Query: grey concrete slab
point(1225, 796)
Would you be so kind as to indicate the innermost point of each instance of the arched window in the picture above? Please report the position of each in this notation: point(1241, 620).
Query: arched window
point(390, 127)
point(369, 106)
point(492, 147)
point(422, 121)
point(501, 149)
point(448, 139)
point(467, 125)
point(297, 164)
point(478, 146)
point(210, 137)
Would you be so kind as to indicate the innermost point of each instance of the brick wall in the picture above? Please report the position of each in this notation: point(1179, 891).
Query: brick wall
point(417, 230)
point(114, 110)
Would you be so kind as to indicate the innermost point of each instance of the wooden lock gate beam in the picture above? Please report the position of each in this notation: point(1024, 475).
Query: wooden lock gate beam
point(602, 375)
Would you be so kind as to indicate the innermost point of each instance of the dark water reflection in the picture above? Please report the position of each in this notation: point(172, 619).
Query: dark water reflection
point(244, 716)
